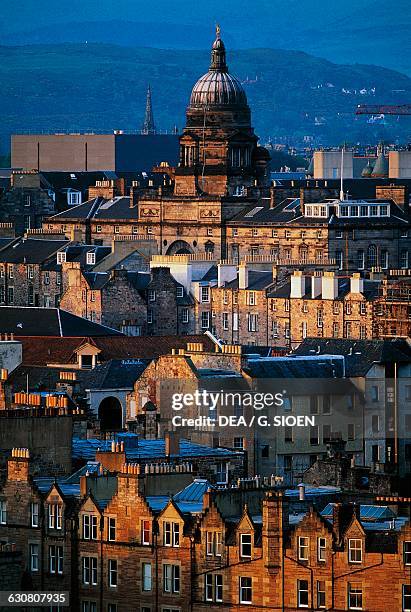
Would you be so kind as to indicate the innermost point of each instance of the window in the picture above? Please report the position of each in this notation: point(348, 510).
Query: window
point(246, 589)
point(238, 443)
point(205, 320)
point(288, 434)
point(134, 229)
point(338, 234)
point(112, 572)
point(91, 258)
point(61, 257)
point(407, 553)
point(185, 315)
point(406, 598)
point(375, 453)
point(149, 316)
point(73, 198)
point(146, 577)
point(384, 258)
point(111, 529)
point(171, 578)
point(30, 295)
point(171, 534)
point(47, 278)
point(34, 557)
point(88, 606)
point(180, 292)
point(321, 549)
point(251, 298)
point(55, 516)
point(34, 513)
point(205, 294)
point(314, 404)
point(314, 435)
point(303, 544)
point(225, 321)
point(354, 551)
point(351, 431)
point(116, 229)
point(151, 295)
point(375, 393)
point(90, 570)
point(146, 533)
point(360, 259)
point(30, 271)
point(320, 317)
point(375, 423)
point(234, 232)
point(89, 527)
point(98, 229)
point(10, 295)
point(112, 608)
point(302, 593)
point(354, 596)
point(339, 259)
point(245, 545)
point(321, 594)
point(252, 322)
point(150, 230)
point(404, 259)
point(56, 559)
point(222, 472)
point(372, 256)
point(213, 587)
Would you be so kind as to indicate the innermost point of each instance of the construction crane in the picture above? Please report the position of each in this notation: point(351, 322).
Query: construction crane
point(383, 109)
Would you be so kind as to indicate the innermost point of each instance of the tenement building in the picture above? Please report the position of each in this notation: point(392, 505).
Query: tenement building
point(115, 544)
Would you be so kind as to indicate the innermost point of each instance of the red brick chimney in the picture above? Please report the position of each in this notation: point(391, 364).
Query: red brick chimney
point(18, 465)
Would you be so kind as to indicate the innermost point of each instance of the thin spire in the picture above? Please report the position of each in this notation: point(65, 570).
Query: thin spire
point(148, 125)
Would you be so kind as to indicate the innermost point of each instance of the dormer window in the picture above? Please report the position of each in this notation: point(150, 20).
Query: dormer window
point(171, 534)
point(245, 545)
point(55, 516)
point(180, 292)
point(61, 257)
point(354, 550)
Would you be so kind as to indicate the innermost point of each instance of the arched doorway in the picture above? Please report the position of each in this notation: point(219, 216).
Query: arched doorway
point(179, 247)
point(110, 414)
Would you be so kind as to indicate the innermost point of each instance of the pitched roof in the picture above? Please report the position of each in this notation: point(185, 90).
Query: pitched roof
point(34, 321)
point(61, 350)
point(359, 355)
point(31, 250)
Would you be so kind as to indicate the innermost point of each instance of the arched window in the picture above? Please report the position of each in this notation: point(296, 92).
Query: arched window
point(372, 256)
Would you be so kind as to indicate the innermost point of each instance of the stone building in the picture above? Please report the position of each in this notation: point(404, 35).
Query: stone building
point(115, 298)
point(251, 304)
point(27, 202)
point(114, 544)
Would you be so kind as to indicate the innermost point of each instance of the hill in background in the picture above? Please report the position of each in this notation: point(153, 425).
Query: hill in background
point(95, 87)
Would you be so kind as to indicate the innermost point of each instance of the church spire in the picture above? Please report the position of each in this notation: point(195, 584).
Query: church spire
point(218, 61)
point(148, 125)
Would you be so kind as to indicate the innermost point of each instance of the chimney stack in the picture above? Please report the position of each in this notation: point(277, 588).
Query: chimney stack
point(297, 284)
point(243, 276)
point(356, 283)
point(329, 286)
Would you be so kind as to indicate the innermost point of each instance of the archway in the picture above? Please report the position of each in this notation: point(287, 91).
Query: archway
point(179, 247)
point(110, 414)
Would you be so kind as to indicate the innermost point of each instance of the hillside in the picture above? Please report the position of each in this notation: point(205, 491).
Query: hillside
point(102, 87)
point(365, 31)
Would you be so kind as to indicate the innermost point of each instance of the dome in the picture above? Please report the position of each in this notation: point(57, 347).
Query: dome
point(217, 87)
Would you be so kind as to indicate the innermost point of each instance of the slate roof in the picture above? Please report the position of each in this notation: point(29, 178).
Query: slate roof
point(257, 281)
point(283, 290)
point(148, 450)
point(34, 321)
point(31, 250)
point(290, 367)
point(359, 355)
point(97, 280)
point(115, 374)
point(99, 208)
point(61, 350)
